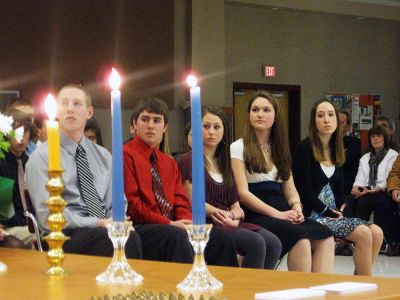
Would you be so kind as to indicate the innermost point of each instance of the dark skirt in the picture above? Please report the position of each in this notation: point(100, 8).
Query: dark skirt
point(270, 192)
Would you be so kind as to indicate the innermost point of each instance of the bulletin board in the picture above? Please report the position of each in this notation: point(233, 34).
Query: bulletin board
point(363, 109)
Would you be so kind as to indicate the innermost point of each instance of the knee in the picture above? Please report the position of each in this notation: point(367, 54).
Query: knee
point(273, 245)
point(303, 245)
point(362, 235)
point(258, 243)
point(377, 233)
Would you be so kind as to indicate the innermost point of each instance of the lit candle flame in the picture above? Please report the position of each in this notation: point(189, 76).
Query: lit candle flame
point(114, 80)
point(191, 80)
point(50, 106)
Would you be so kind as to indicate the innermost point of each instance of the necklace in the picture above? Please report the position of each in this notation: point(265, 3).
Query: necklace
point(266, 148)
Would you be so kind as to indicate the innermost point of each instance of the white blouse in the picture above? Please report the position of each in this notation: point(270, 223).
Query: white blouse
point(237, 152)
point(329, 171)
point(384, 168)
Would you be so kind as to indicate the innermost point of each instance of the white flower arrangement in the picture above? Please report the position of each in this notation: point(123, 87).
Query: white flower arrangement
point(6, 130)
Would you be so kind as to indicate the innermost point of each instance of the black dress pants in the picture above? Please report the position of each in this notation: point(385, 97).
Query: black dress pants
point(165, 242)
point(95, 241)
point(387, 217)
point(364, 205)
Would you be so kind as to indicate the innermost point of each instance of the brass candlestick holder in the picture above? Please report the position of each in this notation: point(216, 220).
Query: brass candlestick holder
point(199, 280)
point(56, 221)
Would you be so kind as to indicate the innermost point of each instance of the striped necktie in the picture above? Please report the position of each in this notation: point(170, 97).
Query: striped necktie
point(165, 207)
point(86, 185)
point(21, 183)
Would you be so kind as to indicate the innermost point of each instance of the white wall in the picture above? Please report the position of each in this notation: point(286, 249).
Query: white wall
point(320, 52)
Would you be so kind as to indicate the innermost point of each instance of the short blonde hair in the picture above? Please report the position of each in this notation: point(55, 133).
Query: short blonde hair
point(88, 98)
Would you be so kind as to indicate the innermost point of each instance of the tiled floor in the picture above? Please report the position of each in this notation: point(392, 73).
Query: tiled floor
point(384, 266)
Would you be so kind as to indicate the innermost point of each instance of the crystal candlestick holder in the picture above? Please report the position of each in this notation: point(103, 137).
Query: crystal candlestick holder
point(119, 271)
point(199, 279)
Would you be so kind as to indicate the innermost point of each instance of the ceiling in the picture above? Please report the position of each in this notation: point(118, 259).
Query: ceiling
point(377, 9)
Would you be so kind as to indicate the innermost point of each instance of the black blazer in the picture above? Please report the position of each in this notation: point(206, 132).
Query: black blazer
point(309, 179)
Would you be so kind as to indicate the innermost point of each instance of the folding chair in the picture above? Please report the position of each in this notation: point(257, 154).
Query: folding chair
point(344, 242)
point(32, 223)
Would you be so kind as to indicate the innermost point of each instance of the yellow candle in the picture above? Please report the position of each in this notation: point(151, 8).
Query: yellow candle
point(53, 134)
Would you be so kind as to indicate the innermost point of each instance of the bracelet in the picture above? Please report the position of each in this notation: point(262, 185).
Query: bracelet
point(294, 203)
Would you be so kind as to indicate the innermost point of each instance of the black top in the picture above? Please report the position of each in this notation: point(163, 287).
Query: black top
point(352, 146)
point(9, 169)
point(309, 179)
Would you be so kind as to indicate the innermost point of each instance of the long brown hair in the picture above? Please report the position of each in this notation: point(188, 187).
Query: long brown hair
point(335, 143)
point(222, 152)
point(280, 154)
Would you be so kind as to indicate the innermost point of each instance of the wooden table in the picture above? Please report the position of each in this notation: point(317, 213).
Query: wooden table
point(25, 279)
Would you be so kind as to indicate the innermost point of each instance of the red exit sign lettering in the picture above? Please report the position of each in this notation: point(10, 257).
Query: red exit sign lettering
point(268, 71)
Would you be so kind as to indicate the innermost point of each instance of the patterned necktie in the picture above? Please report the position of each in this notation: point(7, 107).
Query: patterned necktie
point(86, 185)
point(21, 183)
point(165, 207)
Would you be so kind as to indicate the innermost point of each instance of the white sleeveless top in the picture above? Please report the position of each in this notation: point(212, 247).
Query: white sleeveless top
point(237, 152)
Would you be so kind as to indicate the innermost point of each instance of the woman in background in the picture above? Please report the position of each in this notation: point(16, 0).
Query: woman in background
point(319, 178)
point(261, 164)
point(259, 247)
point(370, 184)
point(92, 131)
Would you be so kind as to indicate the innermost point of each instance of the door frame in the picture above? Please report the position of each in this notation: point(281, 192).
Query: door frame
point(294, 107)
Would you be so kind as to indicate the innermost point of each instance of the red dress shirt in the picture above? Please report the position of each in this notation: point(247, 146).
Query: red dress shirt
point(143, 207)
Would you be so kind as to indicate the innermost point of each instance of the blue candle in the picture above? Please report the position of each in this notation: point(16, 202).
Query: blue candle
point(198, 193)
point(118, 205)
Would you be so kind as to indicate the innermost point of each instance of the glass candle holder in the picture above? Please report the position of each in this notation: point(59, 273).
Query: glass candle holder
point(119, 271)
point(199, 280)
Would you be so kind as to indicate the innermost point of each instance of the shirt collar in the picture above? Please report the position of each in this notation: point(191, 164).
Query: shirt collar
point(144, 148)
point(70, 145)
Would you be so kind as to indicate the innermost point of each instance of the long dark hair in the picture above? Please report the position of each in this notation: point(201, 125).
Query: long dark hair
point(280, 154)
point(222, 152)
point(335, 143)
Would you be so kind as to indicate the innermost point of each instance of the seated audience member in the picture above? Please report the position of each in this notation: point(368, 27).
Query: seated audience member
point(370, 184)
point(186, 142)
point(259, 247)
point(92, 131)
point(318, 177)
point(157, 202)
point(87, 181)
point(261, 165)
point(388, 124)
point(22, 105)
point(352, 147)
point(387, 215)
point(9, 241)
point(131, 129)
point(40, 123)
point(163, 146)
point(12, 166)
point(25, 106)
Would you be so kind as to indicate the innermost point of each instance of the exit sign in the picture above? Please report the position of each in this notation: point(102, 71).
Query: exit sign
point(268, 71)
